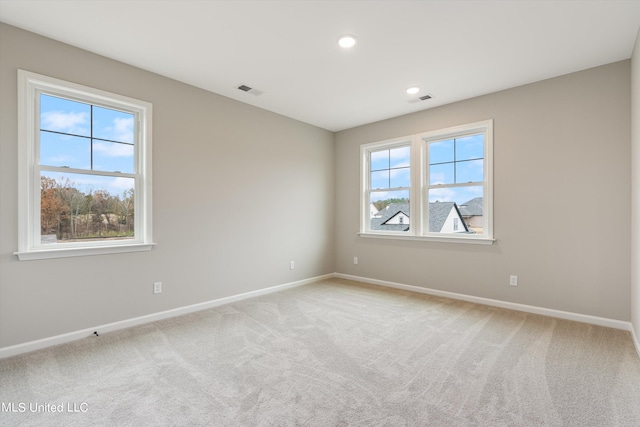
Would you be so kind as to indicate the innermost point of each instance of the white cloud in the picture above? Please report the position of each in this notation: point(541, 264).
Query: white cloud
point(118, 185)
point(58, 160)
point(123, 129)
point(455, 194)
point(120, 129)
point(442, 195)
point(437, 178)
point(402, 153)
point(75, 123)
point(110, 149)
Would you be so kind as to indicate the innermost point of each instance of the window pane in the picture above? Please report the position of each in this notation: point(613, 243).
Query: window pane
point(469, 171)
point(380, 179)
point(389, 211)
point(76, 207)
point(469, 204)
point(380, 160)
point(63, 115)
point(441, 174)
point(400, 157)
point(113, 125)
point(65, 151)
point(400, 178)
point(441, 151)
point(470, 147)
point(113, 157)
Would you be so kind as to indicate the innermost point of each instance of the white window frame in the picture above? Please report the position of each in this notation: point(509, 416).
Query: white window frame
point(418, 194)
point(365, 211)
point(30, 86)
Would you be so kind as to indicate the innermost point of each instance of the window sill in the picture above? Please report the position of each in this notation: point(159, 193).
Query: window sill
point(85, 251)
point(442, 239)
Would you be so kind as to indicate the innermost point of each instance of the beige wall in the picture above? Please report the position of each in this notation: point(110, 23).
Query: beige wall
point(214, 159)
point(562, 185)
point(635, 159)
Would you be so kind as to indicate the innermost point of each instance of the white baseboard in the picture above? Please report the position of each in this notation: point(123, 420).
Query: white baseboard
point(636, 339)
point(72, 336)
point(584, 318)
point(109, 327)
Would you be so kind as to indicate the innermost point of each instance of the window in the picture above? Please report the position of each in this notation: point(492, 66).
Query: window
point(431, 186)
point(388, 186)
point(84, 170)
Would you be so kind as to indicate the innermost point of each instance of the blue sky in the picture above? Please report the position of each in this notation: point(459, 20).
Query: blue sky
point(456, 161)
point(391, 168)
point(451, 161)
point(86, 130)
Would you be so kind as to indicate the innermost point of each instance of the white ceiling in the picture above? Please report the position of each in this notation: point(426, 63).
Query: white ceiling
point(453, 50)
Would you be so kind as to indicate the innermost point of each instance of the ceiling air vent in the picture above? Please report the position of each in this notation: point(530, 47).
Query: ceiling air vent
point(422, 98)
point(250, 90)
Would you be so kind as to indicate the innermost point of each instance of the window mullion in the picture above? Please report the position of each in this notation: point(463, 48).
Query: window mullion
point(91, 135)
point(33, 122)
point(455, 162)
point(424, 186)
point(35, 219)
point(414, 191)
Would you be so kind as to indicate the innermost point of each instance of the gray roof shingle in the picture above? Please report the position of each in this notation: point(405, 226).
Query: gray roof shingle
point(438, 214)
point(472, 208)
point(386, 214)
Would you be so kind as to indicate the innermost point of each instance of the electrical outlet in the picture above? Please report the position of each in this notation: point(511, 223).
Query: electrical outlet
point(292, 265)
point(355, 260)
point(513, 280)
point(157, 287)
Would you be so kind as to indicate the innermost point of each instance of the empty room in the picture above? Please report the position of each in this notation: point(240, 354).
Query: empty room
point(319, 213)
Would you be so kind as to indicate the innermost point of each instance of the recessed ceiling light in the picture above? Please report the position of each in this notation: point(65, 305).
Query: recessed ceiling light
point(413, 90)
point(347, 41)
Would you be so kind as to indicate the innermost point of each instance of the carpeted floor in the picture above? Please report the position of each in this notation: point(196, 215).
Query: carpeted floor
point(333, 353)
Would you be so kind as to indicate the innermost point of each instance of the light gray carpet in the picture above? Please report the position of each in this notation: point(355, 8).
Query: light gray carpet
point(334, 353)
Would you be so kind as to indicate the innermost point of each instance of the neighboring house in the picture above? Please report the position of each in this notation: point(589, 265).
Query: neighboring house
point(472, 214)
point(394, 217)
point(372, 210)
point(444, 217)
